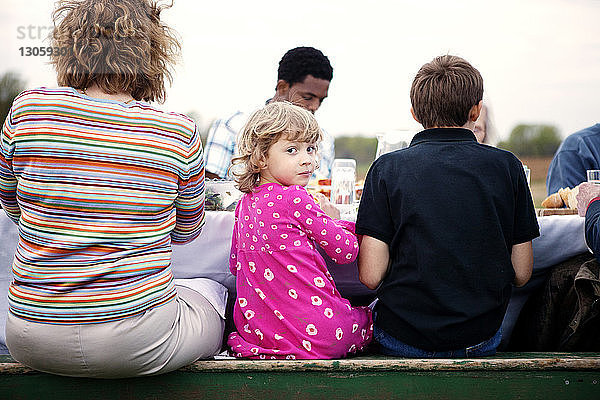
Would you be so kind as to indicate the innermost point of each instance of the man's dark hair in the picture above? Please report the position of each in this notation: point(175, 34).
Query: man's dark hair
point(444, 91)
point(302, 61)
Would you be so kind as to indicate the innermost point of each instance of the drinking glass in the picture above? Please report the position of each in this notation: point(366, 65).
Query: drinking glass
point(343, 178)
point(593, 176)
point(393, 140)
point(527, 174)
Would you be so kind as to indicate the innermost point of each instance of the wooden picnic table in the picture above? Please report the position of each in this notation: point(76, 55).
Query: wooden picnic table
point(507, 375)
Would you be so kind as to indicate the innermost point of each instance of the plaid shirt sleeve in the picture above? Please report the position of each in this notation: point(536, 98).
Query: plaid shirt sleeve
point(220, 144)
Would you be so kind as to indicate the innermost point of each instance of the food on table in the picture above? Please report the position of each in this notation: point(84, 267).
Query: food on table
point(323, 186)
point(564, 197)
point(572, 198)
point(359, 189)
point(553, 201)
point(221, 195)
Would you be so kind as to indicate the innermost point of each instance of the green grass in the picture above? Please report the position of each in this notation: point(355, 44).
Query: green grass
point(538, 191)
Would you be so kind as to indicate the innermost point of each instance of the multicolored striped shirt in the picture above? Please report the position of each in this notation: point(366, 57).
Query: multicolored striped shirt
point(100, 189)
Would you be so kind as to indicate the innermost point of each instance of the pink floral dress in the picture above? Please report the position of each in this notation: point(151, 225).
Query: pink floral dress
point(287, 304)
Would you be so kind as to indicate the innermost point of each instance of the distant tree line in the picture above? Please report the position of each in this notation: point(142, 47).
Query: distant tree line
point(360, 148)
point(532, 140)
point(10, 86)
point(524, 139)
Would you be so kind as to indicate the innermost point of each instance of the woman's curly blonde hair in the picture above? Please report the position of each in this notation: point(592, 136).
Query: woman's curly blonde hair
point(119, 45)
point(265, 127)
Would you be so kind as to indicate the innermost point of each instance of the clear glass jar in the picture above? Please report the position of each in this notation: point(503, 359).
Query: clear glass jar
point(343, 180)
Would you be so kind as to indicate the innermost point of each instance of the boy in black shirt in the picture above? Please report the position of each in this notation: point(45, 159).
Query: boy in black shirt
point(447, 225)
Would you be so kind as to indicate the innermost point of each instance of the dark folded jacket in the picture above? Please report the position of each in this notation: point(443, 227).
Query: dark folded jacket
point(565, 314)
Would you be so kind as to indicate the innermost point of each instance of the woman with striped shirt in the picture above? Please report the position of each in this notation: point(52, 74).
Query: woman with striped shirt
point(101, 184)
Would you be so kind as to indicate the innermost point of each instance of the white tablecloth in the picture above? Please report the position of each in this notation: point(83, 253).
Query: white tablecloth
point(561, 237)
point(207, 257)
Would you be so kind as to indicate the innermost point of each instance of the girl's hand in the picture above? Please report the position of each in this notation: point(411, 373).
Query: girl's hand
point(327, 207)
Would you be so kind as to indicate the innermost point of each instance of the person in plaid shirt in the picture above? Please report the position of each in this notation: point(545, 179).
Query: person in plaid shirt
point(303, 78)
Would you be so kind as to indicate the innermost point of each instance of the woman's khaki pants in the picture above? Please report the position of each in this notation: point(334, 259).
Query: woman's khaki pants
point(160, 340)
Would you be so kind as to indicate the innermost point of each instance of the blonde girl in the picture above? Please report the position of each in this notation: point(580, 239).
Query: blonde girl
point(287, 304)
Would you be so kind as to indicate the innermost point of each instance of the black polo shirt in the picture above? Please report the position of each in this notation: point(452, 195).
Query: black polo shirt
point(450, 210)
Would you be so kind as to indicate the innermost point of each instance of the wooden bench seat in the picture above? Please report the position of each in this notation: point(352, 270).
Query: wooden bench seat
point(506, 375)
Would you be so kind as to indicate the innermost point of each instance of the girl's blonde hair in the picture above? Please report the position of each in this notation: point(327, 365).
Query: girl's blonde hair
point(265, 127)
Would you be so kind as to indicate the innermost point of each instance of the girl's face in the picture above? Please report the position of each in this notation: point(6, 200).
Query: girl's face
point(289, 163)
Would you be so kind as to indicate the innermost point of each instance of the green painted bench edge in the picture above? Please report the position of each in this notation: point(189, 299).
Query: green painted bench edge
point(499, 362)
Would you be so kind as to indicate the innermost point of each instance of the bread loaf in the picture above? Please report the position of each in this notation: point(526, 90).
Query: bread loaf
point(564, 197)
point(572, 199)
point(553, 201)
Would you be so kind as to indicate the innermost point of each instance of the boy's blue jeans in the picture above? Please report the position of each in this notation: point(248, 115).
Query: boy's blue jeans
point(391, 346)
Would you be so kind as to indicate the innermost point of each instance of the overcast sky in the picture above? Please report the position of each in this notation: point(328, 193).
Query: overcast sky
point(540, 59)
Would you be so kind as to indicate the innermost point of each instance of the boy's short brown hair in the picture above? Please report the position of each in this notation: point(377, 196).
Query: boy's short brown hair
point(444, 91)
